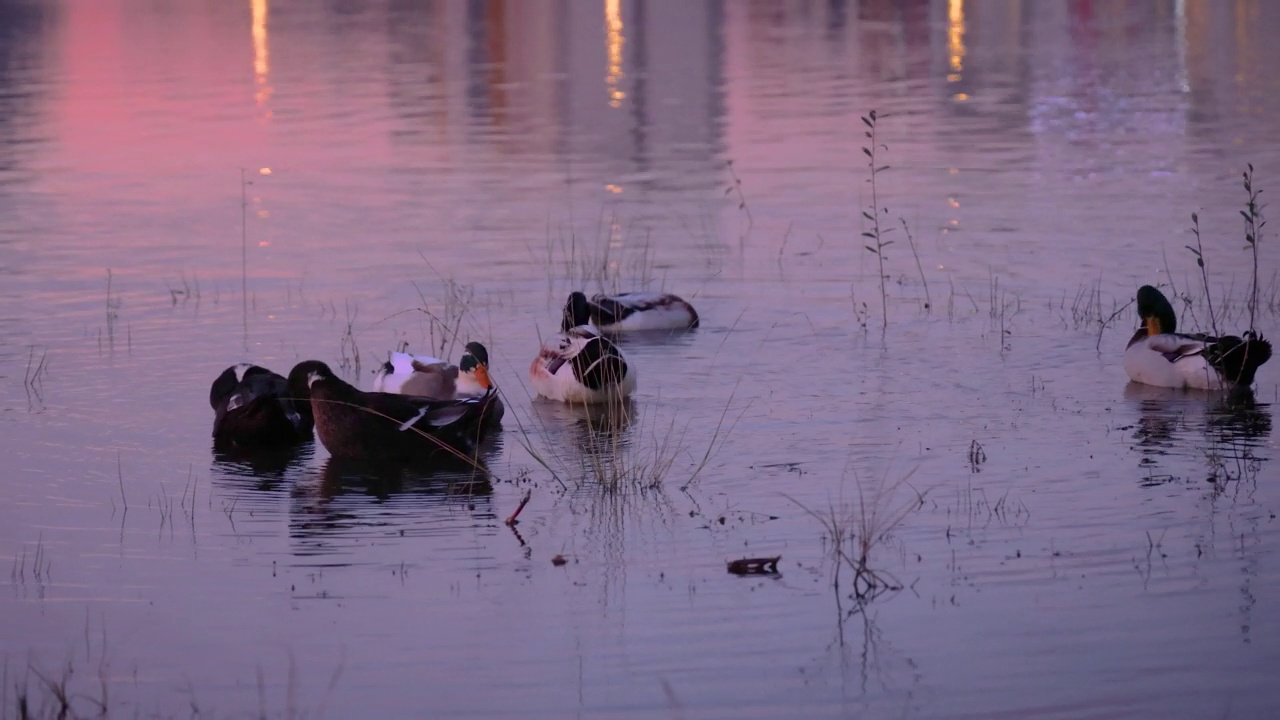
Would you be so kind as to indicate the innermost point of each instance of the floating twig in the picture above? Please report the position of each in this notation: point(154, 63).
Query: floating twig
point(523, 501)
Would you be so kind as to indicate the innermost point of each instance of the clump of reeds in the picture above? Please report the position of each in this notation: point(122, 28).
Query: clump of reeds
point(34, 376)
point(618, 454)
point(1254, 222)
point(445, 322)
point(856, 530)
point(575, 264)
point(1001, 311)
point(349, 351)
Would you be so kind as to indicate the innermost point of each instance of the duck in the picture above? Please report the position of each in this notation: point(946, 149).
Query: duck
point(628, 312)
point(427, 376)
point(431, 377)
point(1159, 355)
point(581, 366)
point(353, 424)
point(252, 408)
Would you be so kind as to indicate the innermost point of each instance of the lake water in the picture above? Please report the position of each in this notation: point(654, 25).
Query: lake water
point(184, 186)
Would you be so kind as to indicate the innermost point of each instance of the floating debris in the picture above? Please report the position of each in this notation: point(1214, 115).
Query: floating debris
point(511, 521)
point(755, 566)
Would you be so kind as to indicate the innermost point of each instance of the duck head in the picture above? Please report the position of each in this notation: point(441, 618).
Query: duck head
point(474, 364)
point(1155, 311)
point(304, 375)
point(577, 311)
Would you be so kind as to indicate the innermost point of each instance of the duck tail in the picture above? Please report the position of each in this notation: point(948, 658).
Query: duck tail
point(1239, 359)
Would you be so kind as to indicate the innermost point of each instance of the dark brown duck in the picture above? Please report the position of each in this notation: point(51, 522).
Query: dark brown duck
point(385, 426)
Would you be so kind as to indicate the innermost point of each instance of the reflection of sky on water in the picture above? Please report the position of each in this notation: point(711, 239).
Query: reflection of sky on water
point(508, 151)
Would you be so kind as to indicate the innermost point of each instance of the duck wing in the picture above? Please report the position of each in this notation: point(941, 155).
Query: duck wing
point(599, 364)
point(437, 381)
point(1175, 347)
point(398, 368)
point(565, 346)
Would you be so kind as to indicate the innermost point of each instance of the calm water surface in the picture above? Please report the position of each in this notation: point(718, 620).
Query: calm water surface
point(1084, 548)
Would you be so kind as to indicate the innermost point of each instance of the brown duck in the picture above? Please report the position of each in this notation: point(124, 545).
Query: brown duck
point(384, 426)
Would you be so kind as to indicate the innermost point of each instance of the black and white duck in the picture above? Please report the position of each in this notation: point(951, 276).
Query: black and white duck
point(581, 366)
point(628, 312)
point(252, 408)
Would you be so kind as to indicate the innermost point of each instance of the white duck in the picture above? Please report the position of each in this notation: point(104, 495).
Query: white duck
point(1158, 355)
point(629, 312)
point(581, 366)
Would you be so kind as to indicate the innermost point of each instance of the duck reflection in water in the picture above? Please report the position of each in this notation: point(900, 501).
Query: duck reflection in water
point(598, 432)
point(340, 476)
point(260, 468)
point(357, 498)
point(1232, 424)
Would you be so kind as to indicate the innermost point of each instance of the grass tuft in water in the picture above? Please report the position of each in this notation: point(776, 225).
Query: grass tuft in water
point(1198, 251)
point(1229, 306)
point(735, 188)
point(1253, 224)
point(349, 351)
point(872, 213)
point(618, 454)
point(615, 262)
point(857, 530)
point(906, 230)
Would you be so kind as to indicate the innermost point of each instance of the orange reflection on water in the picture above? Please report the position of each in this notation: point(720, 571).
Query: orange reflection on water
point(614, 44)
point(261, 55)
point(955, 37)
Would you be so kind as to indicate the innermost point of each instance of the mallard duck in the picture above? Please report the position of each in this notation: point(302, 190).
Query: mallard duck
point(1159, 355)
point(252, 409)
point(431, 377)
point(379, 425)
point(581, 366)
point(628, 312)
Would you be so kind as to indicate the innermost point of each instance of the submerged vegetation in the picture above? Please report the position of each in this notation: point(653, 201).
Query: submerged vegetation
point(856, 529)
point(615, 453)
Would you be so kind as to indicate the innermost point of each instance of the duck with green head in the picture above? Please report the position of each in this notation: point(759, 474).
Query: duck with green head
point(431, 377)
point(1159, 355)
